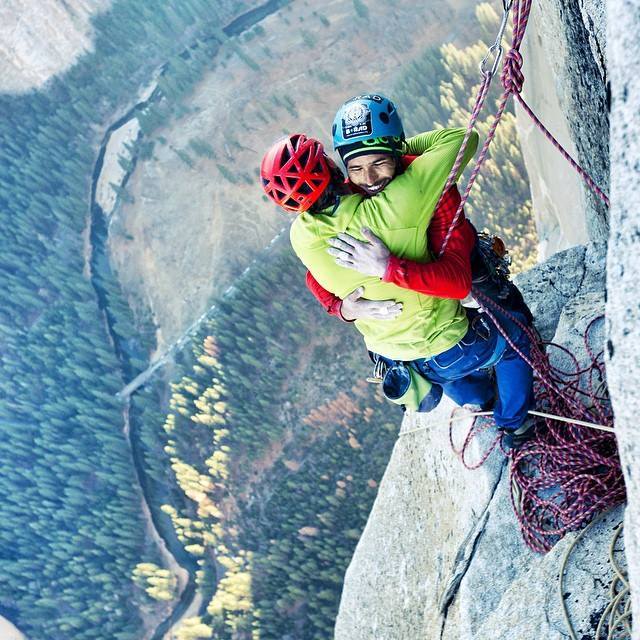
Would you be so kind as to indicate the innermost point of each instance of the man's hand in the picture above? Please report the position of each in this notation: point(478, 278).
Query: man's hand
point(370, 258)
point(355, 307)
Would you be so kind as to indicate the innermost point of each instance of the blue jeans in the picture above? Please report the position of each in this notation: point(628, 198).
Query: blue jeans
point(463, 372)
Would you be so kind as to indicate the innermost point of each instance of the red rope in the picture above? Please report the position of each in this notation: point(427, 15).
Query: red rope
point(585, 176)
point(477, 427)
point(477, 108)
point(512, 80)
point(565, 474)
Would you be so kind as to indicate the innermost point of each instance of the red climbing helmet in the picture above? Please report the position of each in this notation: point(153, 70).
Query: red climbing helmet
point(295, 172)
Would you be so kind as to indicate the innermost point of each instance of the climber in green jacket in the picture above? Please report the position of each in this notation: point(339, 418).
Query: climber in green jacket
point(399, 215)
point(432, 335)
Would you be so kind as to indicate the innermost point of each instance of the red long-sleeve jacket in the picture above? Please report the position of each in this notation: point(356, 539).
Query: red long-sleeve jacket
point(447, 277)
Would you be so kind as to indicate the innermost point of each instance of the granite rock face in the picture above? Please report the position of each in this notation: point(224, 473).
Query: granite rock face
point(567, 87)
point(623, 265)
point(39, 40)
point(557, 193)
point(441, 555)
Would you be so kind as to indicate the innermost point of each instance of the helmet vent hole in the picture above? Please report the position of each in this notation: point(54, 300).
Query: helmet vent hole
point(390, 108)
point(384, 117)
point(305, 189)
point(285, 155)
point(303, 157)
point(291, 203)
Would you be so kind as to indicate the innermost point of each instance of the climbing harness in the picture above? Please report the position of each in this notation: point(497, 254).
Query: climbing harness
point(494, 268)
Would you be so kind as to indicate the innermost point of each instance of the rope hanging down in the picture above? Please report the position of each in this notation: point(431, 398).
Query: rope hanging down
point(565, 475)
point(512, 80)
point(615, 620)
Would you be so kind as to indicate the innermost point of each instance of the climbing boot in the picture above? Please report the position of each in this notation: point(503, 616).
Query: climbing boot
point(514, 439)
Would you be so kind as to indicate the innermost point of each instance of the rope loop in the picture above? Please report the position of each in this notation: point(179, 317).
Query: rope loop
point(512, 77)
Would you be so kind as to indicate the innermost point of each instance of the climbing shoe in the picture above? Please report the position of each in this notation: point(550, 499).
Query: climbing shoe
point(514, 439)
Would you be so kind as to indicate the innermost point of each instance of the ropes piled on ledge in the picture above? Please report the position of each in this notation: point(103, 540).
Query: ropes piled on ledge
point(566, 474)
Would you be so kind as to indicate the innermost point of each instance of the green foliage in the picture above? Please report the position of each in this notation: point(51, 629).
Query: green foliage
point(158, 583)
point(185, 157)
point(122, 193)
point(71, 529)
point(202, 148)
point(309, 39)
point(263, 416)
point(145, 150)
point(323, 19)
point(228, 174)
point(325, 77)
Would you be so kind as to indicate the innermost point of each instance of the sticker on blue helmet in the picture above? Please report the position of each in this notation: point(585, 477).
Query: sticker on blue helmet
point(356, 121)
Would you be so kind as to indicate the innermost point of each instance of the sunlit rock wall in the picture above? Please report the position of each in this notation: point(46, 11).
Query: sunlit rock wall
point(623, 266)
point(566, 85)
point(41, 39)
point(441, 555)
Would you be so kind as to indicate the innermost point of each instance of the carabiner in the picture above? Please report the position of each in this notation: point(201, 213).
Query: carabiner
point(492, 50)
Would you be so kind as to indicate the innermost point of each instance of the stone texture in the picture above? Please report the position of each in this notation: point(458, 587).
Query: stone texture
point(557, 193)
point(41, 39)
point(566, 85)
point(419, 538)
point(623, 266)
point(441, 555)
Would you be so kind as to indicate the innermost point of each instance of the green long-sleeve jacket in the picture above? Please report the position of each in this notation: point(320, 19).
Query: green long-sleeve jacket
point(399, 216)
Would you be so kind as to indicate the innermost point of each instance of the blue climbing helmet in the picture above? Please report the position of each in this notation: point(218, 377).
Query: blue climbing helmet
point(367, 124)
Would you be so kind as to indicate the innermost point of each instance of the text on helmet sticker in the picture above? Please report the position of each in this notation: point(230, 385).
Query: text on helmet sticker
point(356, 121)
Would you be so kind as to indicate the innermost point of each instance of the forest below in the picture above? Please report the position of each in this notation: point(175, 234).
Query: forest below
point(266, 447)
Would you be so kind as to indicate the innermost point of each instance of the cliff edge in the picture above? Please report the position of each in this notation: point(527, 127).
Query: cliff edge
point(442, 555)
point(39, 40)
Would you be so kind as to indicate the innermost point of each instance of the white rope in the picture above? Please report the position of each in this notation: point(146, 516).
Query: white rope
point(582, 423)
point(453, 418)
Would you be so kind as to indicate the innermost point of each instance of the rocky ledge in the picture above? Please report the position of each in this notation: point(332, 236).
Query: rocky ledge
point(441, 555)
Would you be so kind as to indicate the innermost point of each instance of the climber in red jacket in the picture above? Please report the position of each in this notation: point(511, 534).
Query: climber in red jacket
point(297, 175)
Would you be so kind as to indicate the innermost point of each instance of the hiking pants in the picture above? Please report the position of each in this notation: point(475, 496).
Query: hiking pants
point(463, 370)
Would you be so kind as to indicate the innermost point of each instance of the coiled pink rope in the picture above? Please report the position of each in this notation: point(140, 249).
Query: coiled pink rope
point(565, 474)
